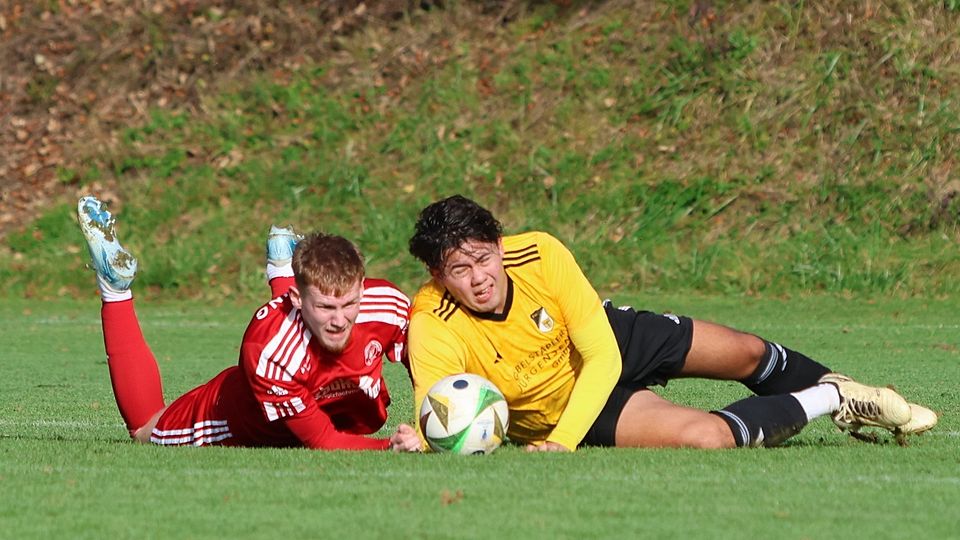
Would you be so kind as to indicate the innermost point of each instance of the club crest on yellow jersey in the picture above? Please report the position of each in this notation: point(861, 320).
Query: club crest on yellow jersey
point(543, 320)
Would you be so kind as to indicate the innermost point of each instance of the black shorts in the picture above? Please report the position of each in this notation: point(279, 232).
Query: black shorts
point(653, 349)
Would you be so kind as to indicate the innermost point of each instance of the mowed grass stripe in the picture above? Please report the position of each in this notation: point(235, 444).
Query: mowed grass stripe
point(71, 471)
point(68, 424)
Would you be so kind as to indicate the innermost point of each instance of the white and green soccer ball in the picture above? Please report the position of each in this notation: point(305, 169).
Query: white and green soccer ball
point(464, 414)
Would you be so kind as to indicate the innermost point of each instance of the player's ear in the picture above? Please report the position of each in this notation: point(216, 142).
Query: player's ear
point(295, 297)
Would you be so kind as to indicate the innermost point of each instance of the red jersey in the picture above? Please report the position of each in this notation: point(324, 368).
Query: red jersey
point(288, 391)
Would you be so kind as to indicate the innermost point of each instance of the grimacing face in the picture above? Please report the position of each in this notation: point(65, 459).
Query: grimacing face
point(473, 273)
point(330, 318)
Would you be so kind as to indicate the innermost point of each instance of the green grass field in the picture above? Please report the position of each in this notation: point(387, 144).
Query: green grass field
point(792, 166)
point(68, 470)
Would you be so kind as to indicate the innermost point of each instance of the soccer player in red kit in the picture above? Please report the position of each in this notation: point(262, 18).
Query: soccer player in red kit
point(309, 372)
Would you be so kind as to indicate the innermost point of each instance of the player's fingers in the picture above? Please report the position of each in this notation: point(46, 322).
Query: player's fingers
point(407, 444)
point(554, 447)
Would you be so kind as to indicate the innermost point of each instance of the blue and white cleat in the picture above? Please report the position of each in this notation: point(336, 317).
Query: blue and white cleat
point(280, 245)
point(115, 266)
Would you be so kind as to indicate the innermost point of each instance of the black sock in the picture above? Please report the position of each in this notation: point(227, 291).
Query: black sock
point(783, 371)
point(764, 420)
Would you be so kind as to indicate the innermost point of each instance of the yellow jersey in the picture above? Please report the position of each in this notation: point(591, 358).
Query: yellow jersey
point(551, 352)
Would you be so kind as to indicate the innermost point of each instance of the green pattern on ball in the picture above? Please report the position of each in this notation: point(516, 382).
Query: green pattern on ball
point(452, 443)
point(455, 441)
point(487, 398)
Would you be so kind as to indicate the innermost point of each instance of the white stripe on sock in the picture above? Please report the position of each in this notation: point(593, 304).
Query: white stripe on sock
point(109, 294)
point(285, 270)
point(818, 400)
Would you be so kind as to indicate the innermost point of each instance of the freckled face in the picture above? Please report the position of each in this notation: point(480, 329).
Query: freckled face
point(473, 273)
point(330, 318)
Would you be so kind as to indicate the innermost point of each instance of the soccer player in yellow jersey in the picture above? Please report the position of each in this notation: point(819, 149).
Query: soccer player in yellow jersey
point(575, 371)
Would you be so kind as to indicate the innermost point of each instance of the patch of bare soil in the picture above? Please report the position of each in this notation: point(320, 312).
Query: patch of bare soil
point(74, 73)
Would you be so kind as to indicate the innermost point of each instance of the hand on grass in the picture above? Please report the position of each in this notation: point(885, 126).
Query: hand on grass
point(405, 439)
point(547, 447)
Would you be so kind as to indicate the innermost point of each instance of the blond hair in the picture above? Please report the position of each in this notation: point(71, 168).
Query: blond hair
point(330, 263)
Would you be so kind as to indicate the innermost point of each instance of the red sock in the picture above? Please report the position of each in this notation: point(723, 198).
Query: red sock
point(133, 369)
point(279, 286)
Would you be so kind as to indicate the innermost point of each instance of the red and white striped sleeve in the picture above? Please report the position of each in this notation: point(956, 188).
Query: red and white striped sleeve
point(273, 351)
point(384, 303)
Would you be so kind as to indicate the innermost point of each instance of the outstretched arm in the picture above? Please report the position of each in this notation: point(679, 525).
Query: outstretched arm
point(315, 430)
point(601, 369)
point(593, 339)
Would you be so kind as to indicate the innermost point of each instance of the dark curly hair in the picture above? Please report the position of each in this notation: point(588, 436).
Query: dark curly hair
point(447, 224)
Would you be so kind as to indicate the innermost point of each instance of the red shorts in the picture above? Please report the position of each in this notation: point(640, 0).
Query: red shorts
point(224, 412)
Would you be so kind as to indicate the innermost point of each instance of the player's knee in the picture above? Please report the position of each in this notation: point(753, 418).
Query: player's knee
point(143, 433)
point(752, 351)
point(707, 434)
point(756, 348)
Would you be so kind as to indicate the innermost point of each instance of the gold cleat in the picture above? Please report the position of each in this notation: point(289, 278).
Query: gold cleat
point(862, 405)
point(922, 420)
